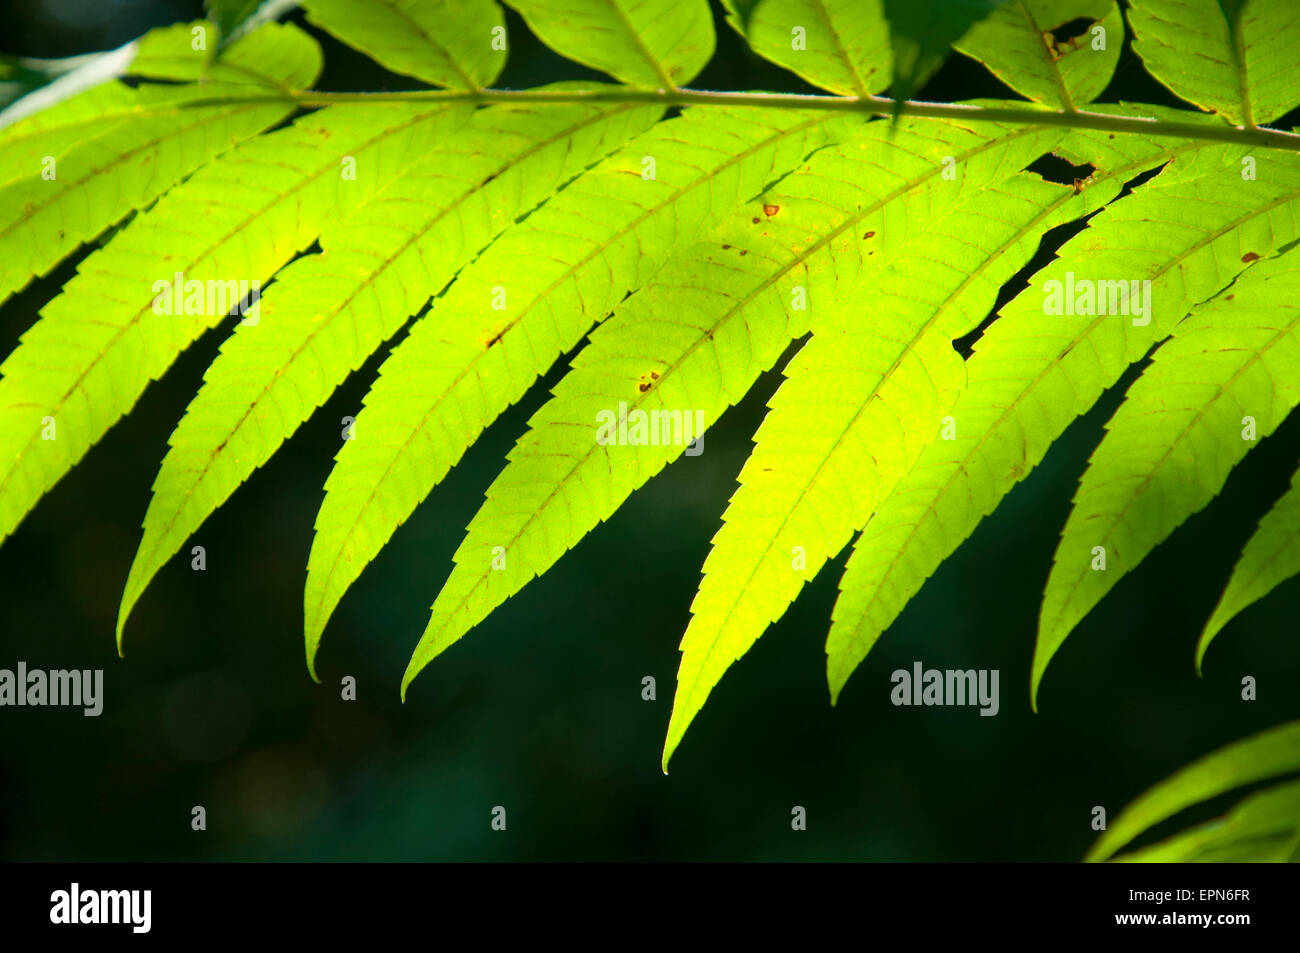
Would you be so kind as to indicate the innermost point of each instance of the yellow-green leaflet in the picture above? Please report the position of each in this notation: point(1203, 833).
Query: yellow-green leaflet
point(1270, 816)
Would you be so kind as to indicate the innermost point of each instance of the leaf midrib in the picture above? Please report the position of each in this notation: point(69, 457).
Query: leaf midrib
point(469, 81)
point(858, 83)
point(1053, 67)
point(657, 66)
point(1239, 55)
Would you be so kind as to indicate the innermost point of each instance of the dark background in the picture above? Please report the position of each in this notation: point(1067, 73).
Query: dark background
point(540, 708)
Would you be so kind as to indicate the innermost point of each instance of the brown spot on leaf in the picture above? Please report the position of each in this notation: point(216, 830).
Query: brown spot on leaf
point(725, 247)
point(869, 235)
point(770, 210)
point(1249, 257)
point(495, 338)
point(754, 221)
point(643, 386)
point(744, 252)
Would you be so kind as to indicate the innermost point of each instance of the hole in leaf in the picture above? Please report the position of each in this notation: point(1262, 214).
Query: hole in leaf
point(1053, 168)
point(1066, 37)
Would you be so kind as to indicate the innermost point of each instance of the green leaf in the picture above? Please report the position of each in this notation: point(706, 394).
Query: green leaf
point(513, 222)
point(534, 519)
point(76, 106)
point(81, 105)
point(856, 407)
point(1269, 754)
point(229, 14)
point(108, 117)
point(378, 265)
point(1261, 828)
point(238, 17)
point(1172, 444)
point(658, 43)
point(839, 45)
point(921, 34)
point(1016, 42)
point(97, 181)
point(442, 42)
point(1270, 558)
point(186, 51)
point(1231, 57)
point(679, 351)
point(863, 398)
point(552, 277)
point(1032, 373)
point(739, 13)
point(734, 302)
point(100, 342)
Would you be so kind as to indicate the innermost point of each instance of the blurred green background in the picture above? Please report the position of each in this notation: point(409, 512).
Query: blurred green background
point(540, 710)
